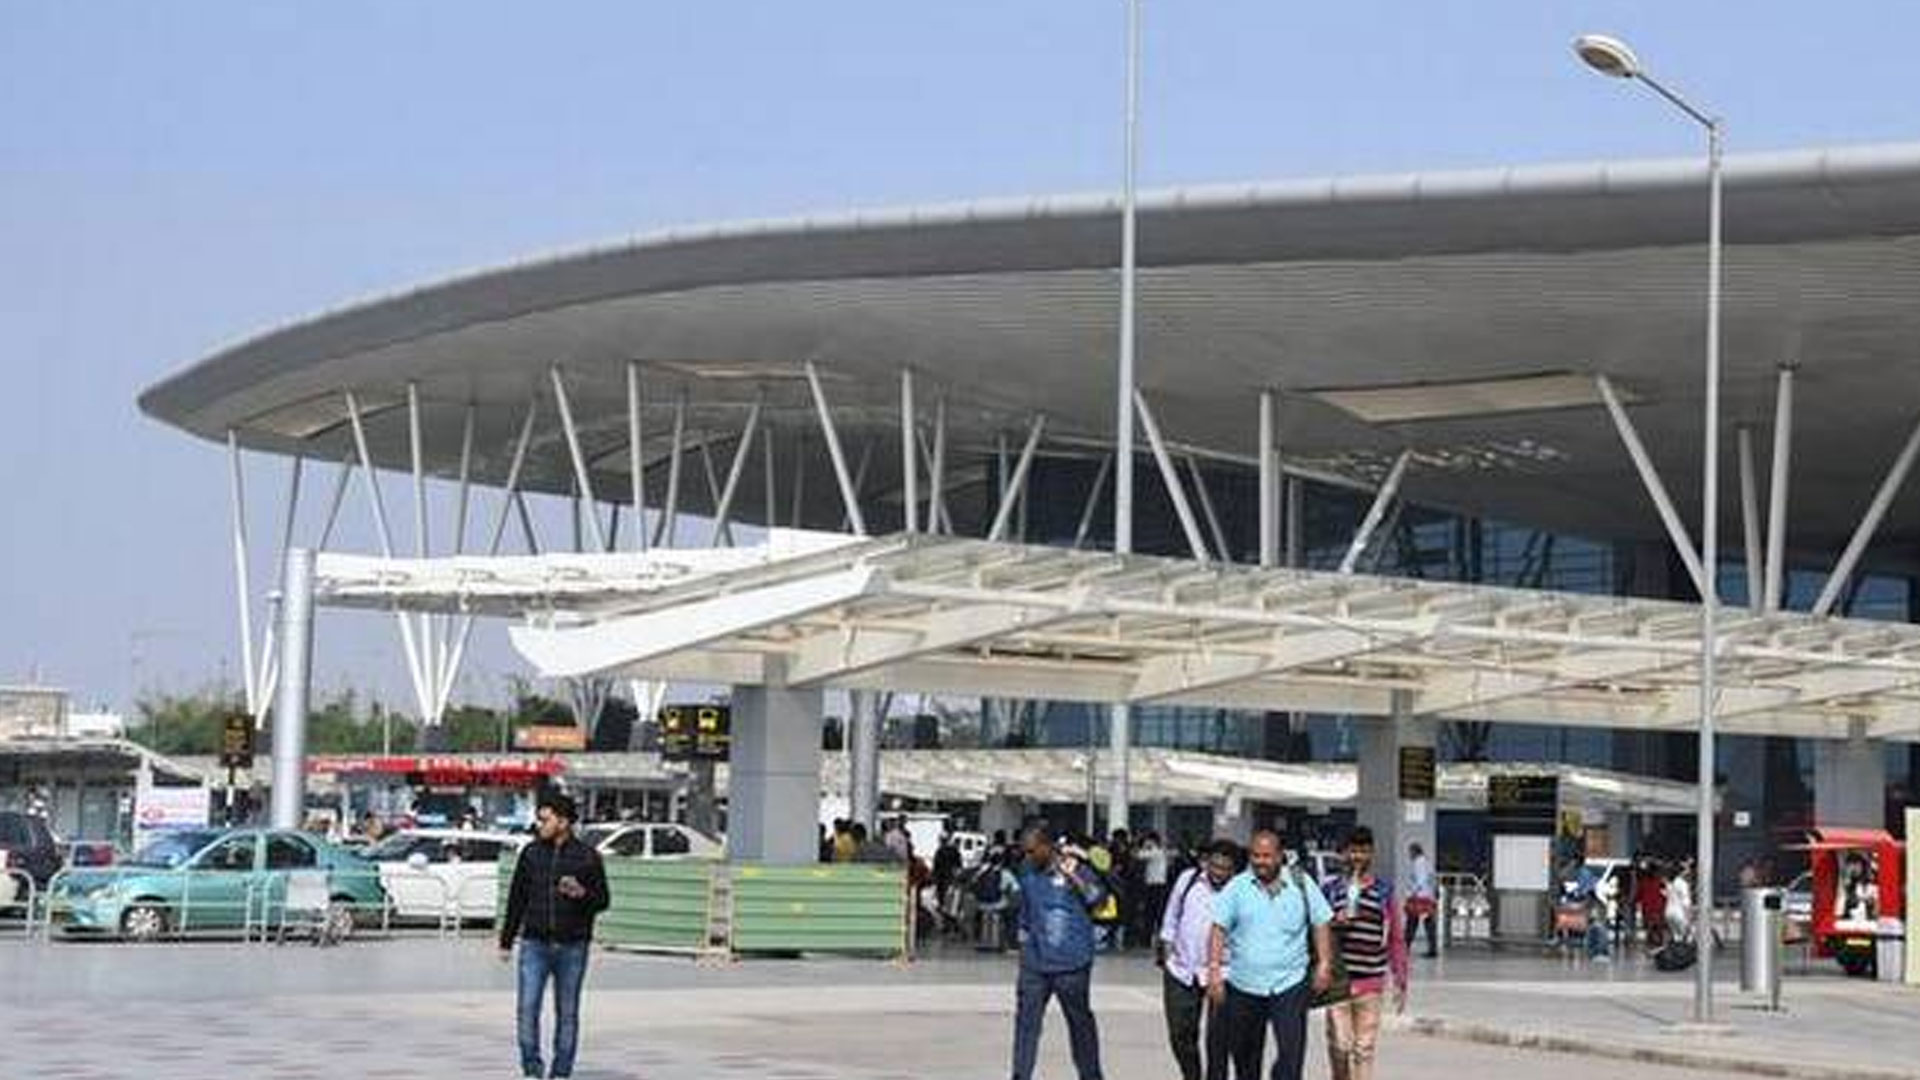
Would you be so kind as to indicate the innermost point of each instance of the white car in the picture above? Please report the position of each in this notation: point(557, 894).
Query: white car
point(650, 840)
point(441, 873)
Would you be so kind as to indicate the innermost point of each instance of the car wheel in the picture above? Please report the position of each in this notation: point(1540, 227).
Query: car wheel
point(340, 919)
point(144, 922)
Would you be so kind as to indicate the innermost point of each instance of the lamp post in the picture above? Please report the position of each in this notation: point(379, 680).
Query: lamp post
point(1120, 718)
point(1611, 57)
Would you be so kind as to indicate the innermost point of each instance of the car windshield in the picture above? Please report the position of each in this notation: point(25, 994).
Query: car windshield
point(172, 850)
point(595, 835)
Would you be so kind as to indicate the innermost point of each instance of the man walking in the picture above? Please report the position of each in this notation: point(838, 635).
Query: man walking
point(1056, 958)
point(1182, 953)
point(1366, 926)
point(559, 885)
point(1423, 900)
point(1264, 918)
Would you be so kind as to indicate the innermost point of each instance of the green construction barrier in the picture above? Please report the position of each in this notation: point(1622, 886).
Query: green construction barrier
point(826, 909)
point(655, 904)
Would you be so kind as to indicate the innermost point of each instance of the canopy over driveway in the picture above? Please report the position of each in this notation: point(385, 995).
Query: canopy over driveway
point(948, 615)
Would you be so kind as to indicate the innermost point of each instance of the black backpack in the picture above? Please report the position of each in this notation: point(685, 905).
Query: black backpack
point(986, 884)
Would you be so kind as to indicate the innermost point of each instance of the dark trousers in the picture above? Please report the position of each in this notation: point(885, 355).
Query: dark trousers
point(565, 964)
point(1430, 919)
point(1249, 1016)
point(1186, 1006)
point(1072, 988)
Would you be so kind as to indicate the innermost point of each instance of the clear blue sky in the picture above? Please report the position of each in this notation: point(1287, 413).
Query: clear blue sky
point(174, 176)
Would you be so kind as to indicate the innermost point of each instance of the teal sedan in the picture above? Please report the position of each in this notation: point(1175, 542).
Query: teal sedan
point(198, 880)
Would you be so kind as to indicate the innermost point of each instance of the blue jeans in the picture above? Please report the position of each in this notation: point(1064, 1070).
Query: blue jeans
point(565, 963)
point(1072, 988)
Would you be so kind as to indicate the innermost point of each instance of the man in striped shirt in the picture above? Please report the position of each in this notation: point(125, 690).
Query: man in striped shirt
point(1366, 930)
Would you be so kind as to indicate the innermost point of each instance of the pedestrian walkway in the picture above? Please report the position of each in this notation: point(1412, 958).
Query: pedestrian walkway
point(1830, 1026)
point(420, 1009)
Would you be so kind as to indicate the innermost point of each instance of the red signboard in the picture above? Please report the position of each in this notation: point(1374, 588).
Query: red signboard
point(445, 770)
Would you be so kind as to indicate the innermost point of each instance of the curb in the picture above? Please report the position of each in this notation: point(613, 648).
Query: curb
point(1440, 1027)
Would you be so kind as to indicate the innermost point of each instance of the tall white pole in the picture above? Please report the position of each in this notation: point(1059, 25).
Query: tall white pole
point(1709, 603)
point(1120, 727)
point(290, 709)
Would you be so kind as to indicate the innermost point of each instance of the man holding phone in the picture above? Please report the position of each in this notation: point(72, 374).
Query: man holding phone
point(1057, 888)
point(559, 885)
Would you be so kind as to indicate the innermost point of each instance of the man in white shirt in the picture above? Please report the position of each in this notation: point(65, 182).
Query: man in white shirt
point(1180, 951)
point(1423, 899)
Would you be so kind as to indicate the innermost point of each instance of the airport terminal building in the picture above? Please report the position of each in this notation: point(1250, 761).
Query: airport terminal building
point(1417, 467)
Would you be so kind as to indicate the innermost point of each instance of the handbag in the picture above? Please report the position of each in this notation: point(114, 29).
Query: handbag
point(1340, 989)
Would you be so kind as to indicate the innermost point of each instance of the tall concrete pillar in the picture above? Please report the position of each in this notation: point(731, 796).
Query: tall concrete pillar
point(863, 757)
point(1850, 780)
point(1231, 820)
point(290, 704)
point(774, 787)
point(1002, 812)
point(1395, 822)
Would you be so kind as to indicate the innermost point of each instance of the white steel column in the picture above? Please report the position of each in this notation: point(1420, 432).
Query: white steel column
point(1270, 481)
point(1777, 490)
point(333, 505)
point(243, 589)
point(1869, 524)
point(909, 456)
point(1750, 516)
point(937, 479)
point(1381, 500)
point(723, 512)
point(583, 490)
point(290, 710)
point(510, 498)
point(1018, 482)
point(1093, 501)
point(416, 445)
point(1171, 477)
point(1207, 511)
point(269, 660)
point(1650, 479)
point(385, 535)
point(670, 514)
point(849, 494)
point(636, 458)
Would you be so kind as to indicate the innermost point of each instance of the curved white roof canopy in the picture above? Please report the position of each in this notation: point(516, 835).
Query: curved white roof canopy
point(1009, 306)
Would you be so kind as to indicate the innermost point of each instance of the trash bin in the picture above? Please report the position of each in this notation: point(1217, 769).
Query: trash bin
point(1890, 958)
point(1761, 928)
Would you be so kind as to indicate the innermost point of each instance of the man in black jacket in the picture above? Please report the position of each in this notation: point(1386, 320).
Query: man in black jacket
point(559, 885)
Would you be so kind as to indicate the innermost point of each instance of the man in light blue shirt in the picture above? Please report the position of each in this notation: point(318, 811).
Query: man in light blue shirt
point(1263, 920)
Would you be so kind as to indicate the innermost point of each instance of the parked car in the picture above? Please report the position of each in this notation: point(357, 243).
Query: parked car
point(27, 847)
point(214, 879)
point(650, 840)
point(431, 873)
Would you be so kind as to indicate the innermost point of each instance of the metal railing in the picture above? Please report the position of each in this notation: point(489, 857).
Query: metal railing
point(148, 904)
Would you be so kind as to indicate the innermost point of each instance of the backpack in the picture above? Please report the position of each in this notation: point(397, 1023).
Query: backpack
point(986, 885)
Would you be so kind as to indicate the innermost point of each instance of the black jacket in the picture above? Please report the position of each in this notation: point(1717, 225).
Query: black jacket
point(535, 908)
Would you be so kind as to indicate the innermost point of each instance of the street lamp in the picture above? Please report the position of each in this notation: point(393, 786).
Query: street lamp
point(1612, 57)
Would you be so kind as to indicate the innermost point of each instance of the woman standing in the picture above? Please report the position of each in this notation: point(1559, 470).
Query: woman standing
point(1367, 931)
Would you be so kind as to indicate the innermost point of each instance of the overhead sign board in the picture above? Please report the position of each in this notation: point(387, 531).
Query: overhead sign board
point(695, 731)
point(549, 737)
point(1417, 773)
point(1523, 805)
point(236, 742)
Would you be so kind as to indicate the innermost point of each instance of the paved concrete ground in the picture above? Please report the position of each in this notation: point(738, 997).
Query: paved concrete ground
point(424, 1008)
